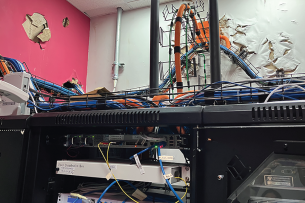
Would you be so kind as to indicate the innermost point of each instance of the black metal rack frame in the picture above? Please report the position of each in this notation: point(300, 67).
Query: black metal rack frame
point(219, 134)
point(206, 95)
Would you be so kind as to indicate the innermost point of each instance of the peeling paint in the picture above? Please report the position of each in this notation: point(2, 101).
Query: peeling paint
point(271, 55)
point(266, 40)
point(286, 51)
point(286, 40)
point(273, 52)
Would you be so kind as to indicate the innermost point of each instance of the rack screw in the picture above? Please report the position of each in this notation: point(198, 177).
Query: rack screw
point(285, 146)
point(220, 177)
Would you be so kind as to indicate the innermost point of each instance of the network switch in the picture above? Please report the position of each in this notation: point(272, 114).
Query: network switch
point(122, 171)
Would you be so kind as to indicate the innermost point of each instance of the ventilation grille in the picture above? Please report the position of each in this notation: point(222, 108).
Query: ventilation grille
point(139, 117)
point(278, 113)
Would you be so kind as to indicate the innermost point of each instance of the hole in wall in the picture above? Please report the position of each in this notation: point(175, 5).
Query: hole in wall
point(65, 22)
point(36, 28)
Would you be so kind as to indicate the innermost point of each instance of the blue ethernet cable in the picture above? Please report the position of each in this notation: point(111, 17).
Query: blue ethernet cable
point(75, 105)
point(148, 148)
point(19, 67)
point(167, 181)
point(76, 200)
point(111, 184)
point(242, 64)
point(241, 86)
point(78, 88)
point(141, 152)
point(54, 87)
point(31, 104)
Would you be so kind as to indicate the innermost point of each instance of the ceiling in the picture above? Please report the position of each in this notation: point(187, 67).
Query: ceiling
point(93, 8)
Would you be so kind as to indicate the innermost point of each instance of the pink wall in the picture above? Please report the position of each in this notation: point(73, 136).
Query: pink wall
point(65, 55)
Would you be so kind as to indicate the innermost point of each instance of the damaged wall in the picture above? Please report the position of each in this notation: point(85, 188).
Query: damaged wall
point(271, 30)
point(64, 56)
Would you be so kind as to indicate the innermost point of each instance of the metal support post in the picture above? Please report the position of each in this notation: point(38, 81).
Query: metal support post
point(214, 42)
point(154, 46)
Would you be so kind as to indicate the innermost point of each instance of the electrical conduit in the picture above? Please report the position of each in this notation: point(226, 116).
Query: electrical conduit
point(117, 48)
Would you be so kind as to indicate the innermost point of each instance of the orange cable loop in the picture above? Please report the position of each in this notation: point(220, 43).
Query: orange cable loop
point(182, 8)
point(4, 68)
point(159, 98)
point(228, 43)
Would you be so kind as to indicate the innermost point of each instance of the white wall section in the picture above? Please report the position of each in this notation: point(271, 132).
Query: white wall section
point(271, 30)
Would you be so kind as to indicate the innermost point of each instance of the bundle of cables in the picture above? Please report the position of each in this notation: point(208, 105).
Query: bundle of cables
point(40, 83)
point(149, 198)
point(227, 92)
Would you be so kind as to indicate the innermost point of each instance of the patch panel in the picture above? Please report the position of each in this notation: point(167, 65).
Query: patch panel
point(173, 141)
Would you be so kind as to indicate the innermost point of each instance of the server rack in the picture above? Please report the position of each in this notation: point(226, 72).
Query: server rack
point(47, 127)
point(227, 144)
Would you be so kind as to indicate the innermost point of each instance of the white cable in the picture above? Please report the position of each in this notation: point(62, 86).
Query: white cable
point(183, 97)
point(33, 102)
point(281, 86)
point(294, 85)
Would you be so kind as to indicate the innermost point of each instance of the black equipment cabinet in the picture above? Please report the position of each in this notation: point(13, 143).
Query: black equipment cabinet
point(230, 155)
point(227, 144)
point(236, 139)
point(43, 184)
point(14, 135)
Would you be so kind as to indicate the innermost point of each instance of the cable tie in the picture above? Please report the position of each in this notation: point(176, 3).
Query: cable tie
point(177, 49)
point(179, 19)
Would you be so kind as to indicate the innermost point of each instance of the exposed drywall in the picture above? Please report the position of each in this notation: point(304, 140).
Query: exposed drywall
point(271, 30)
point(64, 56)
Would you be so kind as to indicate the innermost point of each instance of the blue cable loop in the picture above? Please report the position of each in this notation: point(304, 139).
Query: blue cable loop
point(148, 148)
point(53, 87)
point(141, 152)
point(167, 181)
point(104, 192)
point(76, 105)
